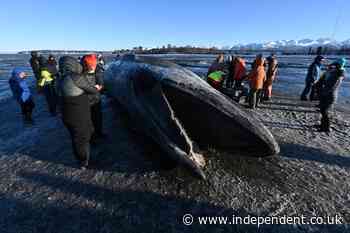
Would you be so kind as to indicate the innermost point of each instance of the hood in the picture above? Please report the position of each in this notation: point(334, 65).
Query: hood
point(43, 61)
point(69, 65)
point(16, 72)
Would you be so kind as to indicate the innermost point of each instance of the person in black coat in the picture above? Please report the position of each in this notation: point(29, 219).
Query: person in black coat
point(34, 63)
point(330, 86)
point(94, 75)
point(74, 89)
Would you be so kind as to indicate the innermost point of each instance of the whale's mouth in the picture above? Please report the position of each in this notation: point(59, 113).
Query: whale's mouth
point(176, 117)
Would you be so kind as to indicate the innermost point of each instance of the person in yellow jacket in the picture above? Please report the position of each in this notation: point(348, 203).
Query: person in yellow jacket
point(46, 84)
point(215, 79)
point(217, 65)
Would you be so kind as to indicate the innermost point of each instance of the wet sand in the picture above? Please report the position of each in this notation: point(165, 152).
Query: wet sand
point(42, 190)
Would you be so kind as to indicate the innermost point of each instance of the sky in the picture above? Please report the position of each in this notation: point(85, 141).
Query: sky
point(116, 24)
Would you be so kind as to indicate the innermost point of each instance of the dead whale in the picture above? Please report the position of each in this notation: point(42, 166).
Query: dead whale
point(176, 108)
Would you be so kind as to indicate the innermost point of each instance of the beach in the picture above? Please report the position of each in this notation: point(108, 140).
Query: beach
point(130, 188)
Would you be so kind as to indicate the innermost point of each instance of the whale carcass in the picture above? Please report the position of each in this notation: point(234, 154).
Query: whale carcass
point(176, 108)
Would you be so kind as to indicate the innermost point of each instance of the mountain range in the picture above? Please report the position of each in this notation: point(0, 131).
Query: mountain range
point(295, 44)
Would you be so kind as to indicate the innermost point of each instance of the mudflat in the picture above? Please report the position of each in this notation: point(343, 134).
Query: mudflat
point(130, 188)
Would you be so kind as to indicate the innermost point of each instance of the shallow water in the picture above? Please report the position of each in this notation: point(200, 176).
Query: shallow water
point(290, 79)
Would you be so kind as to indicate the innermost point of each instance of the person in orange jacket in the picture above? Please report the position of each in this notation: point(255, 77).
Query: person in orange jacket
point(257, 78)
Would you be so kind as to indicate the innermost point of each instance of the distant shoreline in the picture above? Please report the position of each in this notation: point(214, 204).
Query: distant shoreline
point(198, 50)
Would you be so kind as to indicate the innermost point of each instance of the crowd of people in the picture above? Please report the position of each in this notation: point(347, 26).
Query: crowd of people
point(76, 85)
point(230, 74)
point(73, 84)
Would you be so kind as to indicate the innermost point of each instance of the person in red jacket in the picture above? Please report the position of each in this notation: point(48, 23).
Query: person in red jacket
point(239, 72)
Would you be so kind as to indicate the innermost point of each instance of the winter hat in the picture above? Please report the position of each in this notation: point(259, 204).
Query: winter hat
point(341, 62)
point(90, 61)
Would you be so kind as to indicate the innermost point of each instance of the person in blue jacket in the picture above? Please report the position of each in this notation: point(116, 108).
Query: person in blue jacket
point(22, 93)
point(313, 75)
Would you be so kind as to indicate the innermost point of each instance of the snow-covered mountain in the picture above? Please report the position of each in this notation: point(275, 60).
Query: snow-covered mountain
point(346, 43)
point(295, 44)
